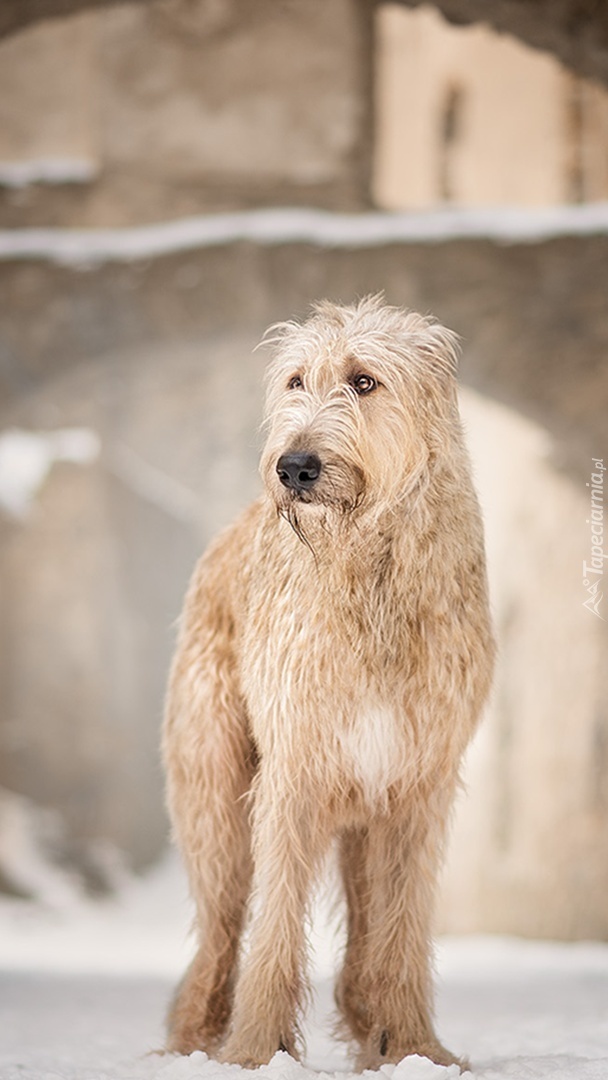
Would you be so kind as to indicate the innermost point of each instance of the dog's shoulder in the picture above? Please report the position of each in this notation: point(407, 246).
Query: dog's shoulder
point(237, 536)
point(218, 574)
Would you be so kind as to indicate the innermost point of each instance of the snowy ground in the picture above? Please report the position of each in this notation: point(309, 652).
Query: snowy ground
point(85, 985)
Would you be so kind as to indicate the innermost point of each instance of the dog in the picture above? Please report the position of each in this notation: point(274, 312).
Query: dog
point(334, 655)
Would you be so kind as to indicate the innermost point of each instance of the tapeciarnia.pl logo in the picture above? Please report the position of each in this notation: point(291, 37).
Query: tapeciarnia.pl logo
point(593, 571)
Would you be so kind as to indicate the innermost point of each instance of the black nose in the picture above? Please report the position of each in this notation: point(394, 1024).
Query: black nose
point(299, 472)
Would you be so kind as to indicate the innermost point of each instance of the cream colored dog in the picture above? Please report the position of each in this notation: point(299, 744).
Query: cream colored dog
point(334, 655)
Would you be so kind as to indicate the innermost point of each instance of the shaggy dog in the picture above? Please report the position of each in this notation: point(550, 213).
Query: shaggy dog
point(334, 655)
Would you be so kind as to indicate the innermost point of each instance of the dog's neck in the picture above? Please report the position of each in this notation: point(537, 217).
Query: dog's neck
point(361, 545)
point(355, 553)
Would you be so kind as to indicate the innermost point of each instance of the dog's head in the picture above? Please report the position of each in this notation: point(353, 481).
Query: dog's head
point(361, 404)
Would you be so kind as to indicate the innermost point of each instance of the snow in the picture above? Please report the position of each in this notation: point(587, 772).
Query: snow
point(83, 248)
point(18, 174)
point(26, 458)
point(26, 833)
point(85, 986)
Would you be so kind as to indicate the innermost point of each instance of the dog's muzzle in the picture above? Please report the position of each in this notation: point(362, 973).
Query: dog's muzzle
point(299, 471)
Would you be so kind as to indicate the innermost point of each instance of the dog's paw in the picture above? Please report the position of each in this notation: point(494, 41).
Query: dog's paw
point(381, 1049)
point(251, 1050)
point(440, 1056)
point(187, 1040)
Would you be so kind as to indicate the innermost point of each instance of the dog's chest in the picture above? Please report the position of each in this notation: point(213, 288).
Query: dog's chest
point(371, 749)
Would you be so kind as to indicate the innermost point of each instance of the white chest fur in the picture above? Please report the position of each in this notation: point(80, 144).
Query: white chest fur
point(372, 750)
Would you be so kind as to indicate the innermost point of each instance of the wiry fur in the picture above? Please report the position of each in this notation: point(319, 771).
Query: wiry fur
point(328, 688)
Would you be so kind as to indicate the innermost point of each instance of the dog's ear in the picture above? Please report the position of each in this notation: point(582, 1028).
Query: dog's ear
point(437, 349)
point(441, 349)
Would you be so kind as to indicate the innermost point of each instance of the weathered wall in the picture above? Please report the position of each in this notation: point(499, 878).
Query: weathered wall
point(155, 357)
point(473, 117)
point(169, 109)
point(92, 577)
point(529, 846)
point(175, 108)
point(15, 15)
point(575, 31)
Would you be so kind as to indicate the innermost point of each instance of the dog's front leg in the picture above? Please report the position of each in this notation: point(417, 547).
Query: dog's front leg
point(394, 970)
point(288, 842)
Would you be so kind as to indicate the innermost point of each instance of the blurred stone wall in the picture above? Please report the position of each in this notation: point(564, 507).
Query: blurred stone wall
point(576, 31)
point(179, 107)
point(473, 117)
point(93, 567)
point(529, 846)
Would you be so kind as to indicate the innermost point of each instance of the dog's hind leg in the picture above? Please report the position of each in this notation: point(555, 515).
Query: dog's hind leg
point(210, 763)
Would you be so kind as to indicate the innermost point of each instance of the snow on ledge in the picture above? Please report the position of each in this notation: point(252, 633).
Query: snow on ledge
point(26, 459)
point(85, 248)
point(19, 174)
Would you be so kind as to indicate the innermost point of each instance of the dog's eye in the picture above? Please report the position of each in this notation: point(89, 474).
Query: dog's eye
point(295, 383)
point(364, 384)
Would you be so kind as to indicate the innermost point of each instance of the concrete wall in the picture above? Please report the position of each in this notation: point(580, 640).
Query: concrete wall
point(92, 573)
point(575, 31)
point(167, 110)
point(469, 116)
point(530, 845)
point(175, 108)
